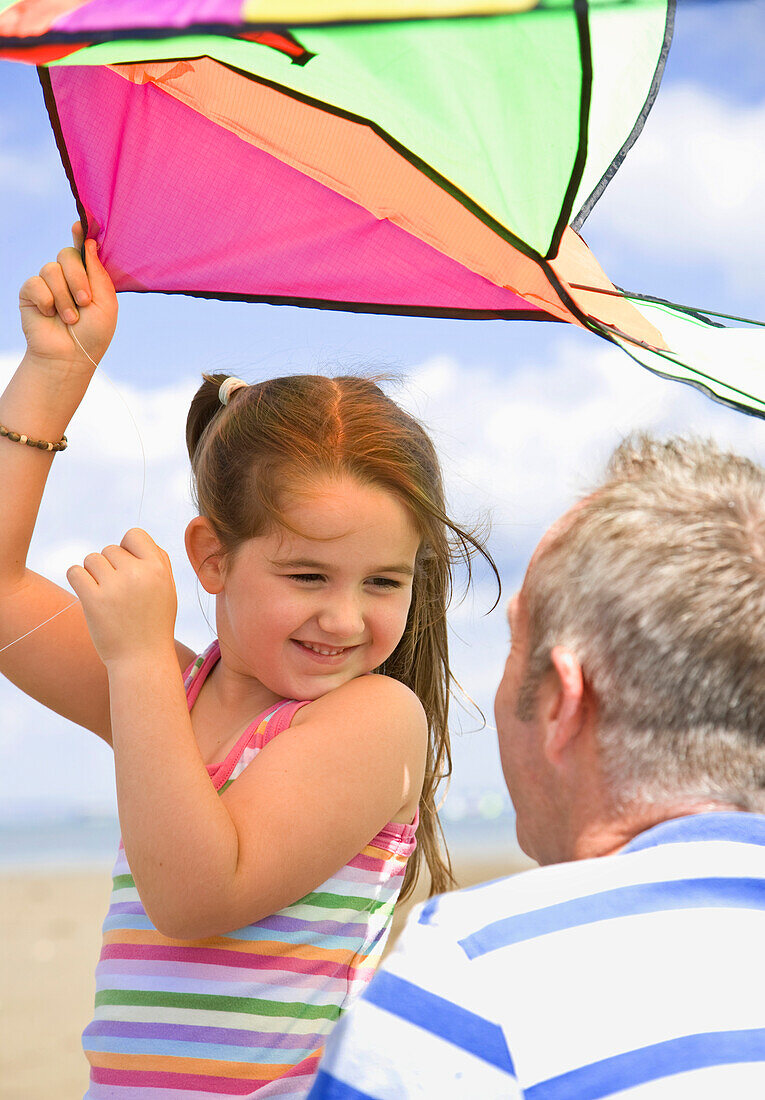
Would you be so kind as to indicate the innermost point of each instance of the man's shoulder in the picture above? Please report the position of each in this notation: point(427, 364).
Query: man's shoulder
point(459, 911)
point(659, 869)
point(509, 988)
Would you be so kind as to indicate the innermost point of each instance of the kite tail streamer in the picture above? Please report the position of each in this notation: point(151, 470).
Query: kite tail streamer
point(140, 505)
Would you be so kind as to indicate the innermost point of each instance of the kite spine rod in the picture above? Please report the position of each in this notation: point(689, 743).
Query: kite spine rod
point(665, 302)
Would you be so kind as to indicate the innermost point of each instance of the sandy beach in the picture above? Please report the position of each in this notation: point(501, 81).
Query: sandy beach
point(50, 926)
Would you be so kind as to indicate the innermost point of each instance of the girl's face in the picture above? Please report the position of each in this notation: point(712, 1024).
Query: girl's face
point(305, 613)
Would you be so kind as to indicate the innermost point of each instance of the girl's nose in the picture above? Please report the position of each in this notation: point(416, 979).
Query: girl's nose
point(341, 618)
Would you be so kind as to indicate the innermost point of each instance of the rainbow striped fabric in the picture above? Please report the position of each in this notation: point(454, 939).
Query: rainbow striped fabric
point(248, 1012)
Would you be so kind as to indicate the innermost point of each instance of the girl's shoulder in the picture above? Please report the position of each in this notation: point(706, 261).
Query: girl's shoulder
point(377, 720)
point(371, 736)
point(372, 699)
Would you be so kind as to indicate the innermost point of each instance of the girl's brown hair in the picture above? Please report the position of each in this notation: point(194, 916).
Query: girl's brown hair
point(289, 431)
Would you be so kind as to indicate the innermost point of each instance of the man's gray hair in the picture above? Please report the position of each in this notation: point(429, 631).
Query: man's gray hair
point(656, 582)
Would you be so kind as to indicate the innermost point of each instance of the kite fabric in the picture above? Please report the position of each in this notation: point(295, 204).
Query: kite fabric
point(342, 156)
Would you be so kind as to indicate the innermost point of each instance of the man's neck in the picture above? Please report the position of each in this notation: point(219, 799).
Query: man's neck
point(605, 837)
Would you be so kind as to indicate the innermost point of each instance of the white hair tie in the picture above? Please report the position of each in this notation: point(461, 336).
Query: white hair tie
point(228, 386)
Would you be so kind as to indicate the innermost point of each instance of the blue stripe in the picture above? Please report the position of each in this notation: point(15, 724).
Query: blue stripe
point(222, 1052)
point(429, 909)
point(440, 1017)
point(625, 901)
point(305, 937)
point(741, 828)
point(253, 934)
point(636, 1067)
point(126, 920)
point(326, 1087)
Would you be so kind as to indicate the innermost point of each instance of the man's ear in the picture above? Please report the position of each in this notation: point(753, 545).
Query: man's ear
point(563, 703)
point(205, 554)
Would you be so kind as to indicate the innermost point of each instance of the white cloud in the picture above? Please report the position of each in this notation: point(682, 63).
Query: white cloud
point(49, 763)
point(92, 499)
point(95, 487)
point(523, 444)
point(693, 186)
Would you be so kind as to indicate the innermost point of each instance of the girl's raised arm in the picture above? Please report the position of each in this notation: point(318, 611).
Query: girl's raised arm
point(57, 663)
point(206, 864)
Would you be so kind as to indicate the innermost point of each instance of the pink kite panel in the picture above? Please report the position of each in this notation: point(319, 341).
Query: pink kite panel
point(178, 193)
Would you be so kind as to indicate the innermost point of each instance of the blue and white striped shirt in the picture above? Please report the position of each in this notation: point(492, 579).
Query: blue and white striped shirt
point(639, 974)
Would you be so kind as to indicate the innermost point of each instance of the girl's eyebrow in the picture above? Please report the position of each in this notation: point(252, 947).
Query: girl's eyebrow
point(299, 563)
point(323, 567)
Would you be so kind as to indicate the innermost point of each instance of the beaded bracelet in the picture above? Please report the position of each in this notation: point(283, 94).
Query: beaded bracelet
point(41, 444)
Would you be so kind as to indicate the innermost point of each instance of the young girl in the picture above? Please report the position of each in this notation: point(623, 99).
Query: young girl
point(268, 805)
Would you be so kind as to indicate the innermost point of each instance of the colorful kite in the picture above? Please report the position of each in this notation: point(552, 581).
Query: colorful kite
point(433, 158)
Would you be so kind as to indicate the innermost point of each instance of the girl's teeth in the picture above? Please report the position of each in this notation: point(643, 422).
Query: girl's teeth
point(323, 651)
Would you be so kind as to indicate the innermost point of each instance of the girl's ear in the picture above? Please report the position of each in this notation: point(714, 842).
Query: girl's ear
point(205, 554)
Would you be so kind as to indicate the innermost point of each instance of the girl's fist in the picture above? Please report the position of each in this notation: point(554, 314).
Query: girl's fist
point(68, 292)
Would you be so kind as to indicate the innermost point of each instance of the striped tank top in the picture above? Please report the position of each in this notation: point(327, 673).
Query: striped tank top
point(245, 1013)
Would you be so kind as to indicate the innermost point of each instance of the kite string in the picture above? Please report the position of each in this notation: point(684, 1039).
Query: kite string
point(103, 374)
point(39, 625)
point(143, 487)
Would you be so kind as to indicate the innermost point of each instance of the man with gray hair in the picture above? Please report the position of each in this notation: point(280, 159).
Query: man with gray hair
point(631, 724)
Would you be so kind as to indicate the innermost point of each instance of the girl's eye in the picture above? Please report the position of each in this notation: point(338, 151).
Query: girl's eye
point(306, 578)
point(384, 582)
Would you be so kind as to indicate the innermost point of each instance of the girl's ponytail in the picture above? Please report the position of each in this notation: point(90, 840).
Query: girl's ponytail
point(204, 407)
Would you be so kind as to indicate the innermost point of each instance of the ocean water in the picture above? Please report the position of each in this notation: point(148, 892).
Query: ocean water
point(71, 840)
point(59, 842)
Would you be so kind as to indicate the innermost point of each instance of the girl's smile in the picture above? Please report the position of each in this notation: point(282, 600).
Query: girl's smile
point(303, 611)
point(320, 651)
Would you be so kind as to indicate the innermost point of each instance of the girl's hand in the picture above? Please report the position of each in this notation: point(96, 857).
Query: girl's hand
point(67, 293)
point(128, 595)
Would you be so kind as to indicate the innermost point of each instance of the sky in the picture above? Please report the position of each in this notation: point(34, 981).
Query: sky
point(524, 414)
